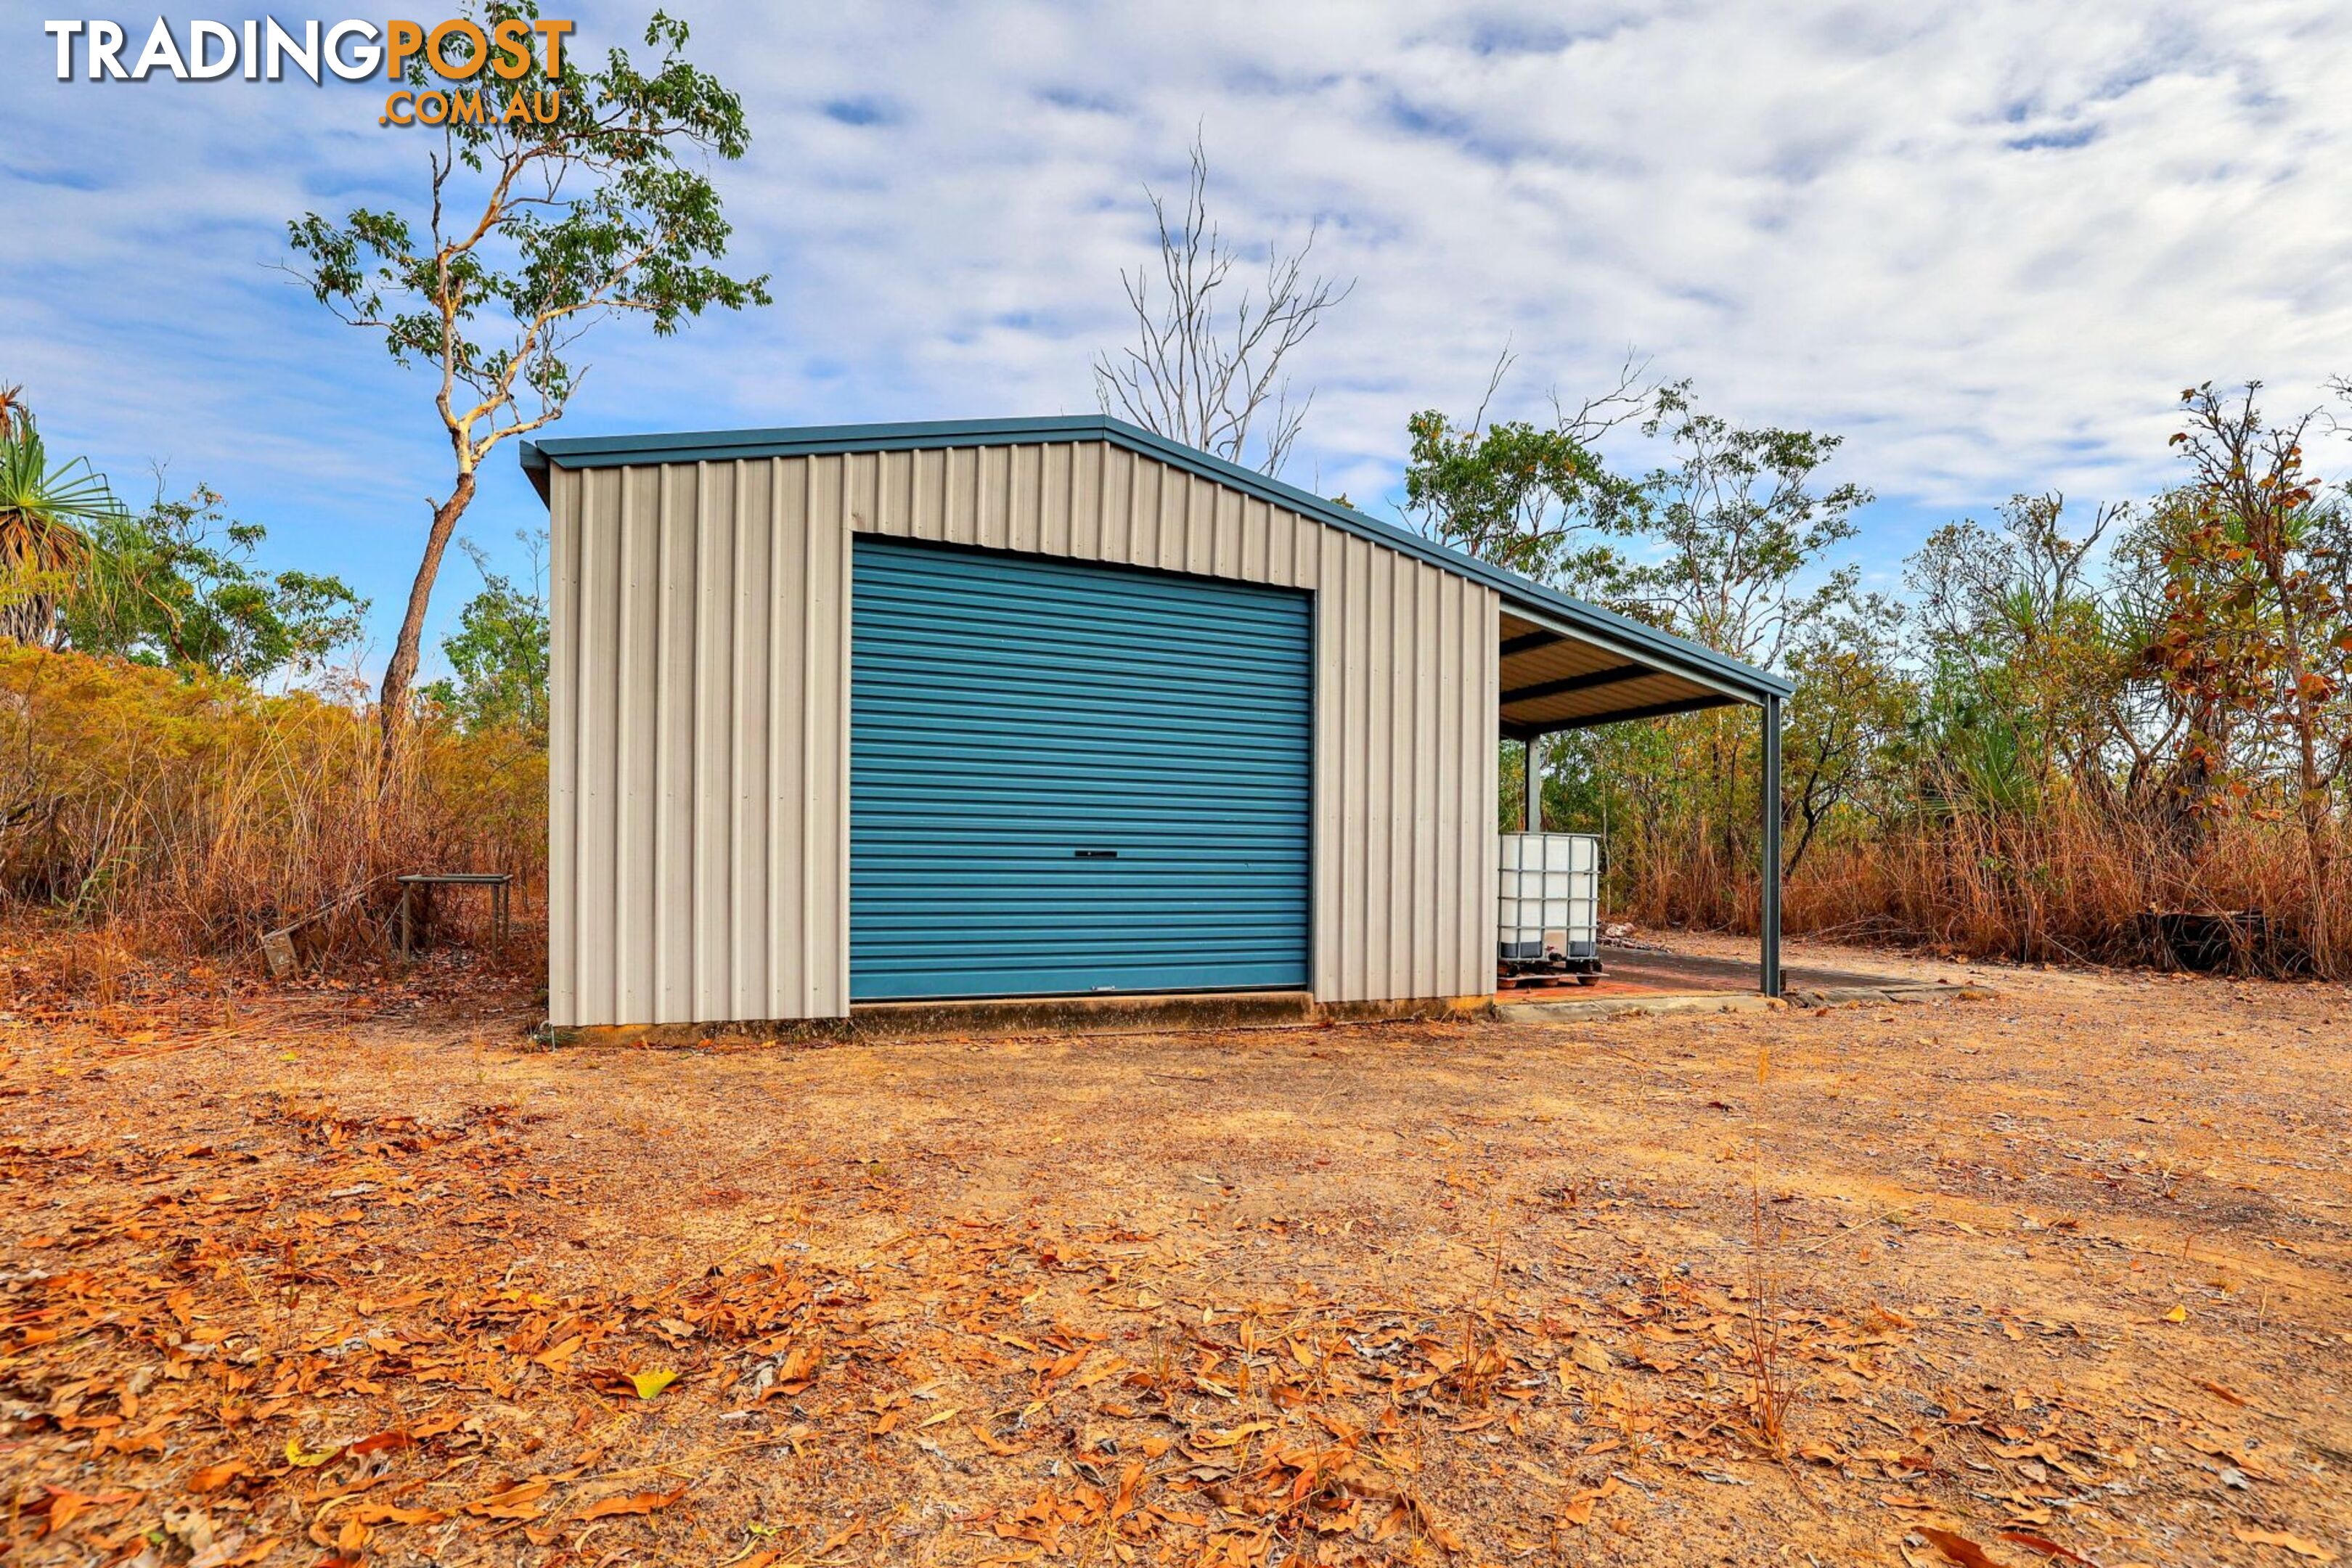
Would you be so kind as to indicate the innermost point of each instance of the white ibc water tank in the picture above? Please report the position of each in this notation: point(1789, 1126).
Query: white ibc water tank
point(1549, 894)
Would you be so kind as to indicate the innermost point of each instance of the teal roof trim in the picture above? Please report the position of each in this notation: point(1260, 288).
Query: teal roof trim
point(1531, 600)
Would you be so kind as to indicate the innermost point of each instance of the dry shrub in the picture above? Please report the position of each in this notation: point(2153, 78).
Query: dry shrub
point(195, 813)
point(2065, 883)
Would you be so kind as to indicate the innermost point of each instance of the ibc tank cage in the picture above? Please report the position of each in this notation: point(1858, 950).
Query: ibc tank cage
point(1548, 883)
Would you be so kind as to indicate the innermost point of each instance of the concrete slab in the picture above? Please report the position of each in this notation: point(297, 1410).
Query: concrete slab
point(1632, 1003)
point(996, 1017)
point(1628, 969)
point(1586, 1009)
point(1638, 984)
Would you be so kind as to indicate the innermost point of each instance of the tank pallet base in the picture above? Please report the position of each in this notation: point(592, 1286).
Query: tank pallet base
point(1508, 984)
point(1545, 973)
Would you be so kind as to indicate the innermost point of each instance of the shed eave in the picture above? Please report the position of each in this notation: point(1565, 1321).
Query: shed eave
point(1548, 608)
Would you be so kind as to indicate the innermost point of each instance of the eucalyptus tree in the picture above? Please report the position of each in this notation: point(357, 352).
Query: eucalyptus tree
point(526, 234)
point(1535, 499)
point(1738, 532)
point(2261, 607)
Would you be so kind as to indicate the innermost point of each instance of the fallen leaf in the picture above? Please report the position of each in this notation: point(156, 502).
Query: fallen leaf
point(1588, 1356)
point(840, 1537)
point(798, 1371)
point(1230, 1436)
point(2295, 1543)
point(649, 1383)
point(231, 1551)
point(2178, 1315)
point(2044, 1545)
point(296, 1455)
point(637, 1502)
point(993, 1446)
point(212, 1478)
point(63, 1506)
point(517, 1501)
point(1959, 1549)
point(950, 1414)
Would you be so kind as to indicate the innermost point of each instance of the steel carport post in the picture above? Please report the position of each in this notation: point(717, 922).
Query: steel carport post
point(1772, 856)
point(1533, 817)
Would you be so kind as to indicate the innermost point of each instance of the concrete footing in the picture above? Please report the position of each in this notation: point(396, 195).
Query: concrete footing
point(1584, 1009)
point(1112, 1015)
point(1201, 1012)
point(1622, 1007)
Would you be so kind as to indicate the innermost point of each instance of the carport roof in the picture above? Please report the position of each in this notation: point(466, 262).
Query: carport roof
point(1566, 664)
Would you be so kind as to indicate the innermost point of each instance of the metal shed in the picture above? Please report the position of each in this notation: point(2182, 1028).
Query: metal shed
point(1036, 707)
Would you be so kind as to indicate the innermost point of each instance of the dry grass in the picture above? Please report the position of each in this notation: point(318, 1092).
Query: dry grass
point(2070, 1265)
point(154, 814)
point(2068, 885)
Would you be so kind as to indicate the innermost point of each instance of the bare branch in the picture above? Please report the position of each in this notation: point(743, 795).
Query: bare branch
point(1503, 362)
point(1629, 398)
point(1200, 373)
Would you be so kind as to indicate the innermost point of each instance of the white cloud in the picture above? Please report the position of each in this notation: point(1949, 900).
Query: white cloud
point(1986, 241)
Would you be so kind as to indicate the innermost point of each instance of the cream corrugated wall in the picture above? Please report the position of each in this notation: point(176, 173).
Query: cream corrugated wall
point(699, 757)
point(699, 807)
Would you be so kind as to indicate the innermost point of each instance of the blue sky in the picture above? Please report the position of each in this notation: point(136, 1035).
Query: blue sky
point(1986, 242)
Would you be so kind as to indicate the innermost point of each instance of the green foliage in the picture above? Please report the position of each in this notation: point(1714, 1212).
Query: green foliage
point(2070, 717)
point(499, 653)
point(46, 511)
point(1726, 543)
point(175, 587)
point(1737, 527)
point(598, 212)
point(533, 232)
point(1529, 499)
point(1843, 733)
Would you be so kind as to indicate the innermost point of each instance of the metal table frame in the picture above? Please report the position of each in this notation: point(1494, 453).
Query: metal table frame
point(499, 883)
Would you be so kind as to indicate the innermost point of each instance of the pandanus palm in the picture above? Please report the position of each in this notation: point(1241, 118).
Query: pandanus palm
point(44, 514)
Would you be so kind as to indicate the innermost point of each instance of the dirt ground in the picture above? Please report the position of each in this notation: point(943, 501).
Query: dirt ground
point(367, 1276)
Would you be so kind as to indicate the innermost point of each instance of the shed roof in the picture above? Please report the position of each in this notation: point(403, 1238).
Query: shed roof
point(1566, 664)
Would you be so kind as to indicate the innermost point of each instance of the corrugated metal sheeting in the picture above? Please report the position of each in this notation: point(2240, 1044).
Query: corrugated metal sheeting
point(1069, 777)
point(699, 758)
point(1549, 682)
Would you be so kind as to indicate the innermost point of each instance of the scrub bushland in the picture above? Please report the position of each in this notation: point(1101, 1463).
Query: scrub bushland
point(186, 813)
point(2116, 734)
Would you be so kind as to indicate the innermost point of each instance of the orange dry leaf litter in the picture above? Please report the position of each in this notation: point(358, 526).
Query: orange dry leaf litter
point(1371, 1295)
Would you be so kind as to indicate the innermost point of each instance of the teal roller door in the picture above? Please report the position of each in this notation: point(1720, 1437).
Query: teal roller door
point(1067, 777)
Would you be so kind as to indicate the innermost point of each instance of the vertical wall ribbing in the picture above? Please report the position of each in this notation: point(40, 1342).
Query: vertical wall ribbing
point(698, 760)
point(749, 863)
point(563, 734)
point(699, 722)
